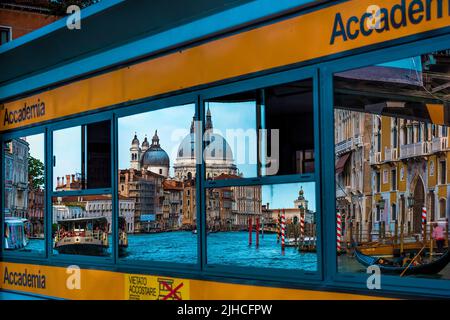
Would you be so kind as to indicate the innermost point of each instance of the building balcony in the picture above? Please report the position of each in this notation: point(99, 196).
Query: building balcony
point(415, 150)
point(439, 144)
point(375, 158)
point(348, 145)
point(390, 154)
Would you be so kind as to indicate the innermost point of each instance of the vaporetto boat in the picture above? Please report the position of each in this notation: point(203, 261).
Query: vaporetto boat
point(86, 236)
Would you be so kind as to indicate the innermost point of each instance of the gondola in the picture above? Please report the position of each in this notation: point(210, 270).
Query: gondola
point(432, 267)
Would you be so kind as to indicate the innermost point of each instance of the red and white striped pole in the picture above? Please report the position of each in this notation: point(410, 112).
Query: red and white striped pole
point(338, 231)
point(283, 230)
point(424, 222)
point(302, 227)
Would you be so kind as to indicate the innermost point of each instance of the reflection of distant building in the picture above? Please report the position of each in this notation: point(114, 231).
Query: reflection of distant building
point(189, 204)
point(164, 203)
point(101, 206)
point(71, 182)
point(388, 168)
point(93, 206)
point(16, 178)
point(70, 208)
point(173, 204)
point(36, 211)
point(292, 215)
point(218, 155)
point(145, 187)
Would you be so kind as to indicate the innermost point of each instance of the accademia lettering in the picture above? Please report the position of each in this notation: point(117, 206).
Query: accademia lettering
point(25, 279)
point(400, 15)
point(26, 113)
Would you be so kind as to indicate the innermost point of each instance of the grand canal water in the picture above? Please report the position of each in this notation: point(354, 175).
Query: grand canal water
point(225, 248)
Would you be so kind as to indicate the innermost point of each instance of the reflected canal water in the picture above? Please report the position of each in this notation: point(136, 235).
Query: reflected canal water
point(225, 248)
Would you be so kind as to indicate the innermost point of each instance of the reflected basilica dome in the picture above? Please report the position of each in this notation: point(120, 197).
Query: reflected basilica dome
point(218, 154)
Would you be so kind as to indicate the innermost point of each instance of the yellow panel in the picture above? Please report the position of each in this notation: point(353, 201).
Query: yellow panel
point(283, 43)
point(97, 284)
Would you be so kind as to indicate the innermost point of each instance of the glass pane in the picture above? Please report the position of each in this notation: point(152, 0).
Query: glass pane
point(391, 166)
point(81, 225)
point(82, 157)
point(276, 123)
point(157, 194)
point(245, 226)
point(24, 198)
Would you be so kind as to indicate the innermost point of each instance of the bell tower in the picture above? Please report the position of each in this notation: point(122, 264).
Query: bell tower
point(135, 154)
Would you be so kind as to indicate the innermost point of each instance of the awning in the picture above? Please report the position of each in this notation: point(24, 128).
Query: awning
point(340, 164)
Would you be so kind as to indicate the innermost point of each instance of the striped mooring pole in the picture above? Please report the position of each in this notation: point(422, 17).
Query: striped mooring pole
point(283, 230)
point(338, 230)
point(302, 227)
point(424, 222)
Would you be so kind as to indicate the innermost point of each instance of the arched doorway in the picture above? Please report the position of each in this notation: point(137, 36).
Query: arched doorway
point(419, 201)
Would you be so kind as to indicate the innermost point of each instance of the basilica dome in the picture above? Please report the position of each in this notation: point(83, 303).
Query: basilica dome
point(216, 148)
point(155, 156)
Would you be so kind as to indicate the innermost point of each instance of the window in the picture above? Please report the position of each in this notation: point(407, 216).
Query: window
point(377, 182)
point(5, 34)
point(396, 91)
point(159, 182)
point(249, 198)
point(394, 212)
point(395, 133)
point(442, 172)
point(247, 132)
point(82, 157)
point(442, 209)
point(394, 179)
point(248, 235)
point(81, 223)
point(24, 195)
point(378, 213)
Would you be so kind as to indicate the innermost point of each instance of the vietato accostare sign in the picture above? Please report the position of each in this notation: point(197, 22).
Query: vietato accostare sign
point(334, 29)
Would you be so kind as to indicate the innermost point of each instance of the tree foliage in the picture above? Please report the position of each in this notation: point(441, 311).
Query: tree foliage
point(35, 173)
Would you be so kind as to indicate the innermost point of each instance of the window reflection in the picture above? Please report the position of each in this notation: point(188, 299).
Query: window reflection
point(391, 166)
point(245, 226)
point(82, 157)
point(263, 132)
point(157, 177)
point(24, 197)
